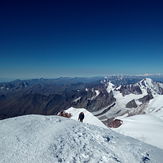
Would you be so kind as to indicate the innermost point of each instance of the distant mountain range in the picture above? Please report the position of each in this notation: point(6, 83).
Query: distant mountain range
point(130, 99)
point(105, 97)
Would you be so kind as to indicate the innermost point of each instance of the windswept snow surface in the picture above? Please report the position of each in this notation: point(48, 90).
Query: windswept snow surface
point(53, 139)
point(155, 106)
point(148, 127)
point(89, 117)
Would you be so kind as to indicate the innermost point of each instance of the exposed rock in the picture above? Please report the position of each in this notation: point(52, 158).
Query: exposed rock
point(146, 98)
point(131, 104)
point(64, 114)
point(113, 123)
point(101, 101)
point(128, 89)
point(106, 110)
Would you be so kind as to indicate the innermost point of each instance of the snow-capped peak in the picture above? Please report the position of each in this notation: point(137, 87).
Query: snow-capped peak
point(110, 86)
point(149, 85)
point(148, 82)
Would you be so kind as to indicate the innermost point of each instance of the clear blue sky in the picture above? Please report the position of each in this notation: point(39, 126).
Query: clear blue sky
point(80, 38)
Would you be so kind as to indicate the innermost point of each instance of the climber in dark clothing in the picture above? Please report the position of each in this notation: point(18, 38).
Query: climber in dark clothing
point(81, 117)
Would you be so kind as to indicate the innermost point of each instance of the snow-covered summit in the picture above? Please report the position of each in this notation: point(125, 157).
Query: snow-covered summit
point(110, 87)
point(149, 85)
point(49, 139)
point(147, 81)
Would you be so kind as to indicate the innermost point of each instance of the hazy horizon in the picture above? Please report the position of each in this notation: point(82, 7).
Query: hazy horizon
point(93, 76)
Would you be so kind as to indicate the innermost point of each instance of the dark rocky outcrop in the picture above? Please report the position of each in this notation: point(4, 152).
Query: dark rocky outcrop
point(146, 98)
point(102, 100)
point(113, 123)
point(131, 104)
point(106, 110)
point(128, 89)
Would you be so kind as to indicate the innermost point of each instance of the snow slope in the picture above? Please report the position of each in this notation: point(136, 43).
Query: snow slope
point(89, 117)
point(148, 127)
point(53, 139)
point(155, 106)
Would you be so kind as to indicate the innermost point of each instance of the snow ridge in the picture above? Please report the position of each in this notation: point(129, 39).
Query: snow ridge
point(50, 139)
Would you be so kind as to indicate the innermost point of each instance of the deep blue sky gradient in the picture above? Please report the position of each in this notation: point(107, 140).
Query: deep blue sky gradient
point(80, 38)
